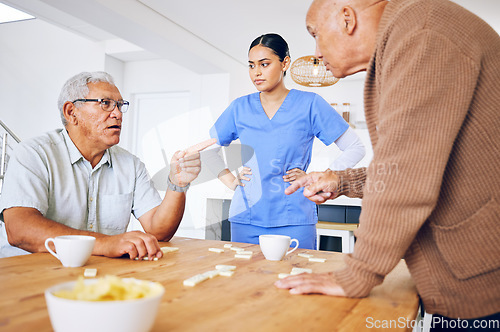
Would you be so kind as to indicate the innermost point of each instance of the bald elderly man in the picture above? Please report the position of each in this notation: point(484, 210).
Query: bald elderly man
point(431, 193)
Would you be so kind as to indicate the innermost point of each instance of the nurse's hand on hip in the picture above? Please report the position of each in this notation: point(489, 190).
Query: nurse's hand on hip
point(231, 181)
point(294, 174)
point(242, 176)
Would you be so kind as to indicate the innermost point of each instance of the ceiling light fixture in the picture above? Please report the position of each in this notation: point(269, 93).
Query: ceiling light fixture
point(9, 14)
point(310, 71)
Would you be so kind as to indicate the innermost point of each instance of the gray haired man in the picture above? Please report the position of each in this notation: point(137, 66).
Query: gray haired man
point(77, 181)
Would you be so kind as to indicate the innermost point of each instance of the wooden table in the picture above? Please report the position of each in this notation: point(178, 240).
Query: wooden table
point(247, 301)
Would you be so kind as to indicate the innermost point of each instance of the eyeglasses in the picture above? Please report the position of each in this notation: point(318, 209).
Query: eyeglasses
point(107, 104)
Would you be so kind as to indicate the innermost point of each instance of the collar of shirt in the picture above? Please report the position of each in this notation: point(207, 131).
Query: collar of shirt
point(75, 155)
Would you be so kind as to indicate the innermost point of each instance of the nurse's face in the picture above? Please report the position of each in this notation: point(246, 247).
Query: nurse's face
point(265, 68)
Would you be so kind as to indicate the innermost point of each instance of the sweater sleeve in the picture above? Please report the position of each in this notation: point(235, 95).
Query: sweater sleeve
point(426, 85)
point(351, 182)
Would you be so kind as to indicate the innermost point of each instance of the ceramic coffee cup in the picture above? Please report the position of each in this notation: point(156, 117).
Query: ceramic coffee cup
point(275, 247)
point(72, 250)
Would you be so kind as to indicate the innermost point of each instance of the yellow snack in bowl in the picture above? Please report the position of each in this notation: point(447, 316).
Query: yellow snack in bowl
point(110, 288)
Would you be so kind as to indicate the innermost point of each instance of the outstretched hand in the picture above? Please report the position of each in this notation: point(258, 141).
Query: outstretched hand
point(311, 283)
point(318, 186)
point(186, 165)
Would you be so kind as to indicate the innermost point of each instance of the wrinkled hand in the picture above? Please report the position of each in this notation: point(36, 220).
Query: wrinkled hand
point(135, 244)
point(318, 186)
point(293, 174)
point(311, 283)
point(241, 176)
point(186, 165)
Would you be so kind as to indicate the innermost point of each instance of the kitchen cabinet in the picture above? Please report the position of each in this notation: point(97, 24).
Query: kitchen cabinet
point(341, 210)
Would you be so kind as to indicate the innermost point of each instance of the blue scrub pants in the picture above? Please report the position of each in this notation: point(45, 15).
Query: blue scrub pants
point(306, 234)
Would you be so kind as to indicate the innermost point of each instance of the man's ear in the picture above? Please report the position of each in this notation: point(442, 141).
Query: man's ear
point(69, 112)
point(349, 18)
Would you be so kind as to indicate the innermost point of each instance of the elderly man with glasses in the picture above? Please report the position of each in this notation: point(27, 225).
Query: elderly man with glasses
point(77, 181)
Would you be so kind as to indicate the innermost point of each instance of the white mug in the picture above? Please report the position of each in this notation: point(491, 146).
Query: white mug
point(274, 247)
point(72, 250)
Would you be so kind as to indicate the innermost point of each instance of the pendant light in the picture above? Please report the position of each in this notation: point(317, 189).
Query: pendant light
point(311, 72)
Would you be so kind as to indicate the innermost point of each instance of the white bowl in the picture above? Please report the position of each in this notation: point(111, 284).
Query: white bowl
point(107, 316)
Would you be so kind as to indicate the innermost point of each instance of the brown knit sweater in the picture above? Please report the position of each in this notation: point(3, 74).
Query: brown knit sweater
point(432, 190)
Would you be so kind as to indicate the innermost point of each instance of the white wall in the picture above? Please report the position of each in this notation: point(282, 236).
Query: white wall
point(116, 68)
point(36, 58)
point(159, 76)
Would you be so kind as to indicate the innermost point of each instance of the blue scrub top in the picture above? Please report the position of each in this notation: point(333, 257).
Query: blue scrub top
point(270, 147)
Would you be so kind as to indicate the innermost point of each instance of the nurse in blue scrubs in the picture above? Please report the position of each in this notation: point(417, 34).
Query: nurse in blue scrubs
point(277, 126)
